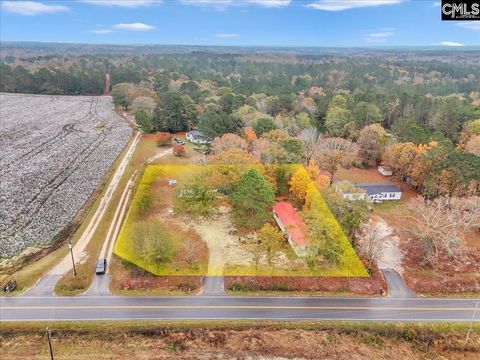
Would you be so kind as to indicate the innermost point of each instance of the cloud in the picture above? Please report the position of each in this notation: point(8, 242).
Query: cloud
point(32, 7)
point(377, 37)
point(222, 4)
point(215, 3)
point(270, 3)
point(133, 27)
point(471, 25)
point(122, 3)
point(340, 5)
point(101, 31)
point(227, 36)
point(451, 43)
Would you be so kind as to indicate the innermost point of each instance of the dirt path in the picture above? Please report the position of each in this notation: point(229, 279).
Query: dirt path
point(391, 256)
point(159, 155)
point(79, 248)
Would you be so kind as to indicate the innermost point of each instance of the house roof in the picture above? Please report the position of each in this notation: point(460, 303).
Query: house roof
point(375, 189)
point(292, 222)
point(387, 168)
point(195, 133)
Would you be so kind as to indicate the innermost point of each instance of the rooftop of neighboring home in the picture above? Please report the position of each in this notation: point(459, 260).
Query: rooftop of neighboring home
point(293, 224)
point(195, 133)
point(373, 189)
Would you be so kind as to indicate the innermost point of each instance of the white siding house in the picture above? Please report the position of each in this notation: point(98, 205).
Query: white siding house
point(381, 192)
point(197, 137)
point(372, 192)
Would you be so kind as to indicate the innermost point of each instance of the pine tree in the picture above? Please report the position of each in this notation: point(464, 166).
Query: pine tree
point(251, 199)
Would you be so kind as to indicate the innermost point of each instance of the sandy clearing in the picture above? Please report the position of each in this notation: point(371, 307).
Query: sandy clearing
point(390, 256)
point(220, 237)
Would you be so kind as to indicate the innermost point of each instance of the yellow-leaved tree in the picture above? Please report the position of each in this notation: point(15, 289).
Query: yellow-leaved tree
point(299, 183)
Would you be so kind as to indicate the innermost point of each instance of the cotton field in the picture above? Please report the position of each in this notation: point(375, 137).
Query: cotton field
point(55, 150)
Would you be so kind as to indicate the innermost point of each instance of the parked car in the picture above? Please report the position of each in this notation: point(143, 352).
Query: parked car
point(101, 267)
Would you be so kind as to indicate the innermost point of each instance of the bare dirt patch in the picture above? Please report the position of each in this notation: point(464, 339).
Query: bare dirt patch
point(220, 237)
point(390, 255)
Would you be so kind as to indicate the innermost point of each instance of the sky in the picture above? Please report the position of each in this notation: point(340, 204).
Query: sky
point(341, 23)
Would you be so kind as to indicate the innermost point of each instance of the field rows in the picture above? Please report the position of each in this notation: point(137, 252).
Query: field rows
point(55, 152)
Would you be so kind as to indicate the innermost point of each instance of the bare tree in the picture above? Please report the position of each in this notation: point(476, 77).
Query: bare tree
point(334, 152)
point(442, 223)
point(371, 241)
point(228, 141)
point(190, 250)
point(310, 138)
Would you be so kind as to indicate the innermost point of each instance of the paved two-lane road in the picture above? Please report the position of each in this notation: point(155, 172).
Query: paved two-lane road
point(227, 308)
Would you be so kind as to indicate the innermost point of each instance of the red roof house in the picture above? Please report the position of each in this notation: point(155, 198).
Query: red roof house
point(292, 225)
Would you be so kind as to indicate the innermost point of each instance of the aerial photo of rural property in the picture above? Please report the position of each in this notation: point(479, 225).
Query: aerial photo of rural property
point(227, 179)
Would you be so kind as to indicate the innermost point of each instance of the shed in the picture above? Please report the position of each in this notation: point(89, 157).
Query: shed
point(385, 170)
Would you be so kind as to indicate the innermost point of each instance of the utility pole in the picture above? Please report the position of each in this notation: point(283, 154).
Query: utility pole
point(73, 261)
point(471, 322)
point(49, 344)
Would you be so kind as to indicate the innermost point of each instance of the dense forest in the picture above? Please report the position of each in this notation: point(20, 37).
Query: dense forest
point(415, 114)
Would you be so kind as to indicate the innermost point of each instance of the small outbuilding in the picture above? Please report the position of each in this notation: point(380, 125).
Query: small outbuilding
point(292, 226)
point(385, 170)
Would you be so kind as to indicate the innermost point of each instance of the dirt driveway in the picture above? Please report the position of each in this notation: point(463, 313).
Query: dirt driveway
point(222, 241)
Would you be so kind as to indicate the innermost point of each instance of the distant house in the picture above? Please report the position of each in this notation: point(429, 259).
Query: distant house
point(372, 192)
point(197, 137)
point(385, 170)
point(381, 192)
point(292, 226)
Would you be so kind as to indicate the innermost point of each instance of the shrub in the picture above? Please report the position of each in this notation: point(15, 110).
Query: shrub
point(196, 198)
point(164, 139)
point(154, 243)
point(179, 150)
point(237, 287)
point(144, 202)
point(271, 241)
